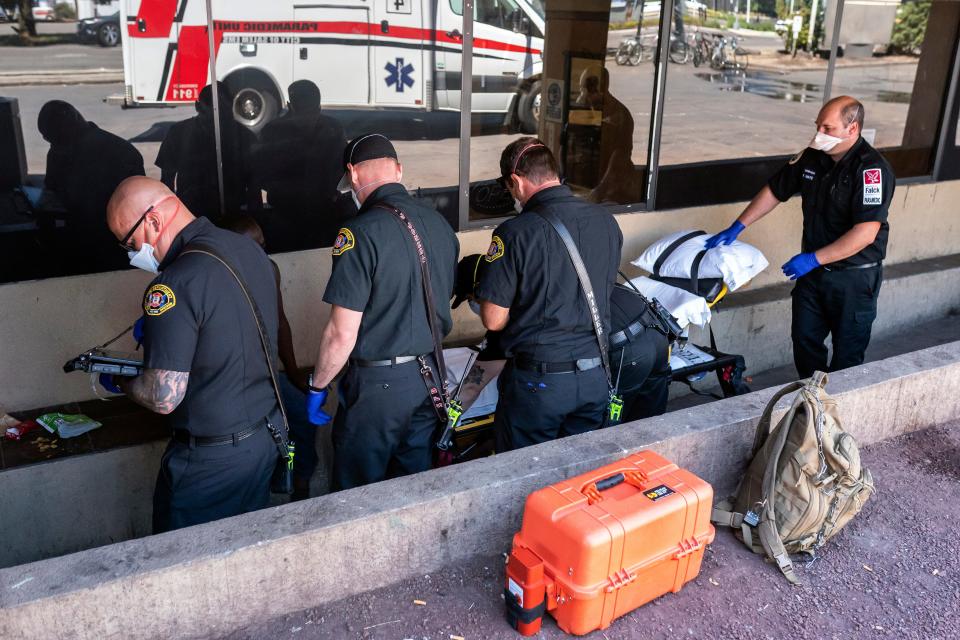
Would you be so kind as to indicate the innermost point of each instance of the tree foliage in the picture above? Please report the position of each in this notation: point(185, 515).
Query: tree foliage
point(910, 27)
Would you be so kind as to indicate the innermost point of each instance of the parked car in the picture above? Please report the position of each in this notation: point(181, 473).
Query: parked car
point(104, 30)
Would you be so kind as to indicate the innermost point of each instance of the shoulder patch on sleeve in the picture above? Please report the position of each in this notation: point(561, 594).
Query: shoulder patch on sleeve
point(496, 249)
point(344, 242)
point(795, 159)
point(872, 187)
point(158, 300)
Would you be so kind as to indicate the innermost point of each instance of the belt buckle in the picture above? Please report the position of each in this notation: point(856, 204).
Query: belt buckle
point(584, 364)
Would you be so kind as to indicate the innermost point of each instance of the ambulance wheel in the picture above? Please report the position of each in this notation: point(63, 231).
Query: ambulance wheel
point(528, 108)
point(255, 102)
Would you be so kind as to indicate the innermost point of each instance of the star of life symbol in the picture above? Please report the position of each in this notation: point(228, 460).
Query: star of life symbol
point(399, 75)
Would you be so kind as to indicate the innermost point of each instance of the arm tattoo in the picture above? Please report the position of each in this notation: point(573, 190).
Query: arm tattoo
point(159, 390)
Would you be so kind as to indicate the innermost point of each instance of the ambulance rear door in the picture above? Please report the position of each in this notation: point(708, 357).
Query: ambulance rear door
point(336, 55)
point(151, 31)
point(398, 36)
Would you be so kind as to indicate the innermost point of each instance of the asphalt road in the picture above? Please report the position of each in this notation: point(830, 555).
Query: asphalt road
point(710, 115)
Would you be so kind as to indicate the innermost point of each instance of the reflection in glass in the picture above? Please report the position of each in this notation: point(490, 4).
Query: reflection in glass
point(568, 89)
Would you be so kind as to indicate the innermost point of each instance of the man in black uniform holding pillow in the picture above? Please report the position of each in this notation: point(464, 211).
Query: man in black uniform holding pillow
point(553, 384)
point(386, 423)
point(846, 187)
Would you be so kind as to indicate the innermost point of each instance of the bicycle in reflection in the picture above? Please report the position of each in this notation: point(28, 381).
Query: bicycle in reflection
point(637, 48)
point(723, 52)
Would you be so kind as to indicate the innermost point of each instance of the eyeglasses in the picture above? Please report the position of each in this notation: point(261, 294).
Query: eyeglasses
point(125, 243)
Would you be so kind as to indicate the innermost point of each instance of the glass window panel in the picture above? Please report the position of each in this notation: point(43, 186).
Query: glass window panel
point(304, 79)
point(90, 142)
point(743, 94)
point(896, 61)
point(569, 90)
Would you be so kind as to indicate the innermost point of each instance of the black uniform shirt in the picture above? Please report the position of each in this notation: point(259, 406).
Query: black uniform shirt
point(376, 270)
point(837, 196)
point(627, 307)
point(198, 320)
point(529, 270)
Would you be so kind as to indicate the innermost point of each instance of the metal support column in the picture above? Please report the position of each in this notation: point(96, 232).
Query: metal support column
point(834, 42)
point(216, 106)
point(466, 95)
point(945, 127)
point(656, 113)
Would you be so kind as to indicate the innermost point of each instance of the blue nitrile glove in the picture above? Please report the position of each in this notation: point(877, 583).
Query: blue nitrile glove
point(138, 330)
point(800, 265)
point(727, 236)
point(315, 413)
point(107, 382)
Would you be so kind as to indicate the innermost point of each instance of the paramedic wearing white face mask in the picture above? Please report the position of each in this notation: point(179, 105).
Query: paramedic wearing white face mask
point(203, 359)
point(845, 187)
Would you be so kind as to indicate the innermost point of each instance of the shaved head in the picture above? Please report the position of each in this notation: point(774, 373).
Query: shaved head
point(131, 198)
point(144, 211)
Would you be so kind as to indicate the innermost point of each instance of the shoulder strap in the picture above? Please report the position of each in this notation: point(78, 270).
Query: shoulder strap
point(763, 427)
point(258, 318)
point(585, 287)
point(673, 246)
point(438, 393)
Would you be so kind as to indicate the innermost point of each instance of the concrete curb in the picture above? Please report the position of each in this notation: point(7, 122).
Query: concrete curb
point(61, 76)
point(208, 580)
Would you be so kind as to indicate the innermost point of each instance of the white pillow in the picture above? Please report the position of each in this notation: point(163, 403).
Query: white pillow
point(737, 263)
point(686, 307)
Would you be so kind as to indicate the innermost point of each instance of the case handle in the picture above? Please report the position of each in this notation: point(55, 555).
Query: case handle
point(592, 489)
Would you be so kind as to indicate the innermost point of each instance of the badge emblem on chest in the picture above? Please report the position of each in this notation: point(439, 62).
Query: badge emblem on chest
point(872, 187)
point(159, 299)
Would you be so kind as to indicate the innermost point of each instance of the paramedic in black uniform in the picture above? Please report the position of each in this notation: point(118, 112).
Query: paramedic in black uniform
point(846, 187)
point(553, 384)
point(385, 423)
point(639, 356)
point(204, 363)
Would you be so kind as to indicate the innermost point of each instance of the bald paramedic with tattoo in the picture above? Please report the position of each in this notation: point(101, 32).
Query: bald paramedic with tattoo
point(204, 364)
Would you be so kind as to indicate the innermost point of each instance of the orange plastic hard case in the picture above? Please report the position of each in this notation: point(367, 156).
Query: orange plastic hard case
point(607, 551)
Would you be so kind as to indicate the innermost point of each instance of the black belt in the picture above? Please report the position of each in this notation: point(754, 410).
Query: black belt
point(847, 267)
point(389, 362)
point(183, 436)
point(621, 338)
point(529, 364)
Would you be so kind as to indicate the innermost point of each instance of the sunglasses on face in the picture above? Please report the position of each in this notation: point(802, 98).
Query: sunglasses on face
point(125, 243)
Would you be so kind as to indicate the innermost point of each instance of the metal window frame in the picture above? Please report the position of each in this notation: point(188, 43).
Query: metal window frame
point(466, 112)
point(661, 63)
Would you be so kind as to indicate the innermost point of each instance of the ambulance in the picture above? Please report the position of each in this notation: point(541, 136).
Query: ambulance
point(381, 54)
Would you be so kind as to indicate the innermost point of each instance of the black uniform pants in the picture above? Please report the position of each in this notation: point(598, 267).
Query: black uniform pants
point(643, 365)
point(385, 425)
point(202, 484)
point(840, 303)
point(535, 407)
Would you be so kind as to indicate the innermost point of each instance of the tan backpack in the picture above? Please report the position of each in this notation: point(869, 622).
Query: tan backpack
point(805, 480)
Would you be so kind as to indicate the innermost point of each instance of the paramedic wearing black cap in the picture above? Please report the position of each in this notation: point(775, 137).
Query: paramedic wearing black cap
point(385, 423)
point(553, 384)
point(845, 187)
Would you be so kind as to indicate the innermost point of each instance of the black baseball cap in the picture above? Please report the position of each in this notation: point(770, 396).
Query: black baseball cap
point(467, 272)
point(369, 146)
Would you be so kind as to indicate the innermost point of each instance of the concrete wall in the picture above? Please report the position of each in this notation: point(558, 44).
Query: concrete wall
point(57, 507)
point(44, 323)
point(208, 580)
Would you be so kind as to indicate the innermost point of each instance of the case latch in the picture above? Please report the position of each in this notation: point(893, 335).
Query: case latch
point(687, 547)
point(619, 580)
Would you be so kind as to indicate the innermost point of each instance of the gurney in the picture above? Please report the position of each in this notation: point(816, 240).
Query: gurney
point(691, 363)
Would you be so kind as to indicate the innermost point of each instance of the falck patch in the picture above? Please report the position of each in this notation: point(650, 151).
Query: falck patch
point(496, 249)
point(159, 299)
point(872, 187)
point(344, 242)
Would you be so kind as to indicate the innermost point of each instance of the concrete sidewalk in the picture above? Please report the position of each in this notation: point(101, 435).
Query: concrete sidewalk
point(887, 575)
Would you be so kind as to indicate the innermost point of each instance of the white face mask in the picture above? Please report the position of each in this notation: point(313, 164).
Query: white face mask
point(144, 258)
point(517, 205)
point(356, 200)
point(824, 142)
point(474, 306)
